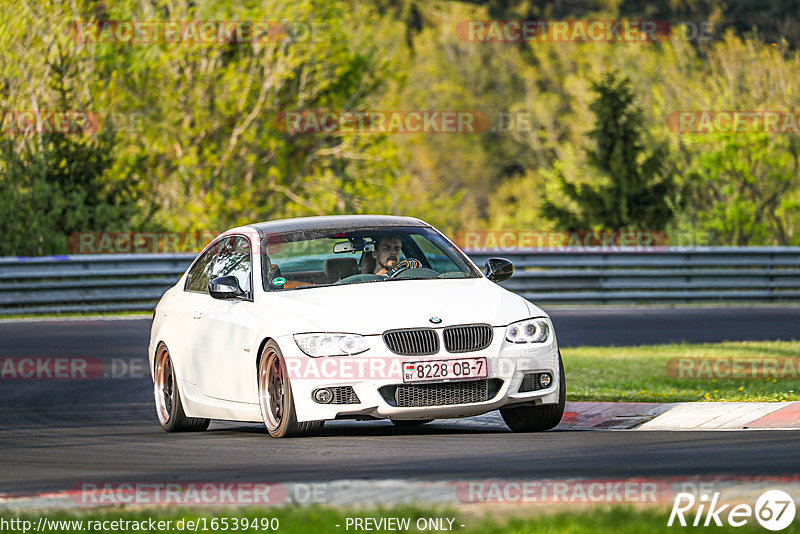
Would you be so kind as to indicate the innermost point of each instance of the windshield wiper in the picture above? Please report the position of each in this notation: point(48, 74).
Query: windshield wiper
point(311, 286)
point(415, 278)
point(334, 284)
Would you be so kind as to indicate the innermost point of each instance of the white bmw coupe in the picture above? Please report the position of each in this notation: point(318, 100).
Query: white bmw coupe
point(301, 321)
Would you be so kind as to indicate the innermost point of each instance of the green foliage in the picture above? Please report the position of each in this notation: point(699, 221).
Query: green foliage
point(740, 188)
point(640, 374)
point(54, 185)
point(216, 141)
point(772, 22)
point(637, 193)
point(209, 151)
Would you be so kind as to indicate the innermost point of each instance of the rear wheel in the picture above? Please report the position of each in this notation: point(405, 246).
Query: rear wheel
point(168, 399)
point(275, 397)
point(538, 418)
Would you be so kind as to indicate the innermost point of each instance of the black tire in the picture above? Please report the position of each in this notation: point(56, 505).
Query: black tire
point(169, 407)
point(542, 417)
point(408, 423)
point(277, 403)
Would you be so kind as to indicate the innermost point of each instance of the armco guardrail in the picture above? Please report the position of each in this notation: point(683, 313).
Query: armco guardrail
point(666, 275)
point(87, 283)
point(121, 282)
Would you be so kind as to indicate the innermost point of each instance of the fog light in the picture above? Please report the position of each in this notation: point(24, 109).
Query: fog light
point(545, 380)
point(323, 396)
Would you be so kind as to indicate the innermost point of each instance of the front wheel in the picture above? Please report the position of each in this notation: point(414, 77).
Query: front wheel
point(538, 418)
point(275, 397)
point(168, 398)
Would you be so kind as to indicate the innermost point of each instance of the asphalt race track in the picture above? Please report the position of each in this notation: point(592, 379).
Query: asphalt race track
point(55, 434)
point(650, 326)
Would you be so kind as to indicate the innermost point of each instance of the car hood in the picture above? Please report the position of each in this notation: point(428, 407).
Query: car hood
point(372, 308)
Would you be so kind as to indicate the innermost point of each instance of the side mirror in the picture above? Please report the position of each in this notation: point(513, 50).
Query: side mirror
point(499, 269)
point(225, 288)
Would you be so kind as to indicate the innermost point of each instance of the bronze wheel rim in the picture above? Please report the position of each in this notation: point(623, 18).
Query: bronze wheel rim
point(272, 391)
point(164, 386)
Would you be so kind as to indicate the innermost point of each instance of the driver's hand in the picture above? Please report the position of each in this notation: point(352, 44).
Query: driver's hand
point(408, 263)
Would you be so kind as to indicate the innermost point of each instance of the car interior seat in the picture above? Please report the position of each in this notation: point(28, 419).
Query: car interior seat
point(337, 268)
point(367, 263)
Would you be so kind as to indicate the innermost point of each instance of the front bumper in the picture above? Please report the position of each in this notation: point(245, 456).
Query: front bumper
point(376, 371)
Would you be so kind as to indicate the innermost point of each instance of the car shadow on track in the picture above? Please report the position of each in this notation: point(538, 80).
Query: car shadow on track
point(373, 429)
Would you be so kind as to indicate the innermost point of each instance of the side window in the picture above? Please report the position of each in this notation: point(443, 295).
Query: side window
point(201, 271)
point(233, 259)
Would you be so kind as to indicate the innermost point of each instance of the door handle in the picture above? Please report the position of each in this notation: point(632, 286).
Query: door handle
point(197, 314)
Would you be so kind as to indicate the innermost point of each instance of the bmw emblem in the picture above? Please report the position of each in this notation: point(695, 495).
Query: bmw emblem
point(435, 320)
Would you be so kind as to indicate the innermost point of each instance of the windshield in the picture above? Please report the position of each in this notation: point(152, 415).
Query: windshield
point(302, 260)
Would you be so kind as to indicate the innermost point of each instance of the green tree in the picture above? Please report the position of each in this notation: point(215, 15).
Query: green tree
point(54, 185)
point(637, 189)
point(740, 189)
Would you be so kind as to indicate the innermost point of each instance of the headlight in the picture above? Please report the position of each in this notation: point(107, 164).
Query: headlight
point(317, 345)
point(529, 331)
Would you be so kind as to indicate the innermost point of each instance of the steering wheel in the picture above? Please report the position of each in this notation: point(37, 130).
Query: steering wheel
point(406, 264)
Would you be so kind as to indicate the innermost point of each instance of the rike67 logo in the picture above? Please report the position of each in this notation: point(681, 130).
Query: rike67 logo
point(774, 510)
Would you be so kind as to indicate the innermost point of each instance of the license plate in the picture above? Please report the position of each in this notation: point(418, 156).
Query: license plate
point(444, 370)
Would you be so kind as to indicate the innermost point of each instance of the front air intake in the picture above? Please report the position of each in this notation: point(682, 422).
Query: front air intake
point(533, 382)
point(441, 393)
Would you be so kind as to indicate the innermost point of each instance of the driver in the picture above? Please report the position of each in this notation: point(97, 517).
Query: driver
point(387, 256)
point(387, 253)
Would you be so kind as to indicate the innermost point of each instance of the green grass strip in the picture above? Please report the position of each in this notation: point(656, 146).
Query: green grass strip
point(640, 374)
